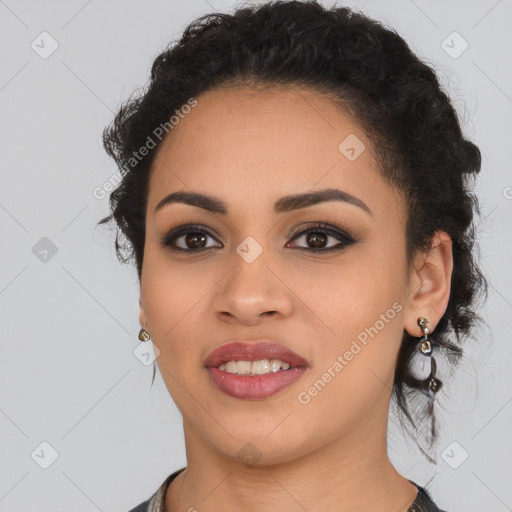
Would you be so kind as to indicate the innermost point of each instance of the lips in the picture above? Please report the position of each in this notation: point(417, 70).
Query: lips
point(254, 387)
point(253, 351)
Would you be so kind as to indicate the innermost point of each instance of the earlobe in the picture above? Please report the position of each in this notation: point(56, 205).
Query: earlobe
point(430, 284)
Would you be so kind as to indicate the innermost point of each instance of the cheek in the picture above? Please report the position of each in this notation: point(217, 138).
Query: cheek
point(354, 369)
point(352, 295)
point(175, 299)
point(361, 301)
point(174, 304)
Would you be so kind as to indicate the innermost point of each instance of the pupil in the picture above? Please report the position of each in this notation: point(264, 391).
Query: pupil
point(191, 239)
point(317, 239)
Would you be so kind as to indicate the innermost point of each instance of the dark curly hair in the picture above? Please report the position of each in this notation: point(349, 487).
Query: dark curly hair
point(371, 72)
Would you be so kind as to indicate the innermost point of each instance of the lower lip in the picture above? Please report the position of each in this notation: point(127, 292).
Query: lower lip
point(257, 386)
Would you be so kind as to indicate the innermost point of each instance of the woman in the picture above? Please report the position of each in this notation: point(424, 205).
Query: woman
point(296, 198)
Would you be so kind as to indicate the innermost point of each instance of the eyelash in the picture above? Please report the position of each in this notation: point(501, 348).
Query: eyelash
point(346, 239)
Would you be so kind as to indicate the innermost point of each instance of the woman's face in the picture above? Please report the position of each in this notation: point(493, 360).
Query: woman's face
point(248, 275)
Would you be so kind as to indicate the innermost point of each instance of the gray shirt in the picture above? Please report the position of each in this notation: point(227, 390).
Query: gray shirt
point(156, 503)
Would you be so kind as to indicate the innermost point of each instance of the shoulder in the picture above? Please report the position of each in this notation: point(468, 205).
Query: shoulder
point(424, 502)
point(156, 503)
point(143, 507)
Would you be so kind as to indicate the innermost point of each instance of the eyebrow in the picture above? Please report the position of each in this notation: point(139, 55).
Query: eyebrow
point(282, 205)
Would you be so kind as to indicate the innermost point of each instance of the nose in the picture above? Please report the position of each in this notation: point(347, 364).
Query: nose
point(252, 292)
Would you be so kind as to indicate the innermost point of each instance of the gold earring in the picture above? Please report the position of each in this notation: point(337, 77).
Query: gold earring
point(144, 335)
point(431, 383)
point(426, 342)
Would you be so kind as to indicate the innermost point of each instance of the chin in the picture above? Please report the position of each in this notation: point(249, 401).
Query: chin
point(256, 448)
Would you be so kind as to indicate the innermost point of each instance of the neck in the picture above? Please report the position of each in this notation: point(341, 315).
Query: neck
point(351, 474)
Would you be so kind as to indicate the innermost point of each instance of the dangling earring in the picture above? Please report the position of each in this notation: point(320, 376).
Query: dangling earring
point(432, 384)
point(144, 335)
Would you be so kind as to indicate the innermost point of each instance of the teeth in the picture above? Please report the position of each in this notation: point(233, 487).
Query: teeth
point(261, 367)
point(243, 367)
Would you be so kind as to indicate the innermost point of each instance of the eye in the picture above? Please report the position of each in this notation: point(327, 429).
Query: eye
point(318, 236)
point(194, 239)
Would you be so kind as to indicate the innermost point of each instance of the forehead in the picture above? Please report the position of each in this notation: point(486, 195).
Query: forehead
point(249, 142)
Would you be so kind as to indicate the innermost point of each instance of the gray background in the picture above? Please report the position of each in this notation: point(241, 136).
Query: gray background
point(69, 377)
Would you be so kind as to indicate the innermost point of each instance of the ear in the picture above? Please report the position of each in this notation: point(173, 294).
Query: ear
point(430, 284)
point(142, 314)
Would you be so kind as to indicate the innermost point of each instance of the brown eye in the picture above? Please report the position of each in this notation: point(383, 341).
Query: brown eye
point(187, 238)
point(192, 238)
point(316, 239)
point(195, 240)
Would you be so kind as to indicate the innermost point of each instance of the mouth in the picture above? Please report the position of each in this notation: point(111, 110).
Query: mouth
point(254, 370)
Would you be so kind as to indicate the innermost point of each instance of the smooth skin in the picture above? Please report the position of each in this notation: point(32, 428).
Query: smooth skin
point(250, 147)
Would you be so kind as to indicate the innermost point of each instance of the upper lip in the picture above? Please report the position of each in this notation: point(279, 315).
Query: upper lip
point(253, 351)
